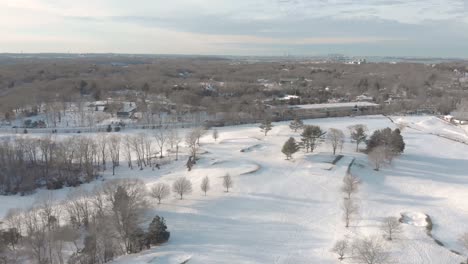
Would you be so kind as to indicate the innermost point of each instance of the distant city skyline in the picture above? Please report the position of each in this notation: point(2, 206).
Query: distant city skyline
point(242, 27)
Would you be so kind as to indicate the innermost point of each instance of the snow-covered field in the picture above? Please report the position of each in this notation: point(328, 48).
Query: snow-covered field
point(282, 211)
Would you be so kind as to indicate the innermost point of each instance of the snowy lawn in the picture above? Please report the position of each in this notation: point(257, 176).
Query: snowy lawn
point(282, 211)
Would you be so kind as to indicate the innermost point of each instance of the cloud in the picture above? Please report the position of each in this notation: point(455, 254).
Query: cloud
point(238, 27)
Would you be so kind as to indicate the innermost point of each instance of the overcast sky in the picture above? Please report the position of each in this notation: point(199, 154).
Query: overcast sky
point(435, 28)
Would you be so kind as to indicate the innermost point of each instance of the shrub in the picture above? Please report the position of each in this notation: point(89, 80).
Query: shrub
point(157, 231)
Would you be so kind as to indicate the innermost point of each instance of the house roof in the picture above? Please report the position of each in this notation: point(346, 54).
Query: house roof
point(128, 107)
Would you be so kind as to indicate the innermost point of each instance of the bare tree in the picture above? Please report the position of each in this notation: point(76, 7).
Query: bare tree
point(160, 191)
point(350, 184)
point(377, 157)
point(199, 132)
point(128, 150)
point(341, 247)
point(14, 219)
point(103, 142)
point(336, 138)
point(79, 207)
point(227, 182)
point(191, 141)
point(36, 235)
point(174, 140)
point(350, 211)
point(161, 136)
point(215, 134)
point(370, 251)
point(391, 227)
point(182, 186)
point(114, 151)
point(126, 201)
point(137, 143)
point(205, 185)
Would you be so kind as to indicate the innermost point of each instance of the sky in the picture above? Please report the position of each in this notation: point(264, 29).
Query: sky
point(429, 28)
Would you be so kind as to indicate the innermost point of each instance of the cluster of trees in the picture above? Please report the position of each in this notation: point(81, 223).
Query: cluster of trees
point(28, 162)
point(183, 186)
point(369, 250)
point(88, 228)
point(350, 207)
point(383, 146)
point(311, 136)
point(92, 227)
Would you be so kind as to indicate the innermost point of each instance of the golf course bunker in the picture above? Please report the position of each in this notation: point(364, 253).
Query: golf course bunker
point(325, 161)
point(255, 147)
point(236, 167)
point(243, 141)
point(414, 219)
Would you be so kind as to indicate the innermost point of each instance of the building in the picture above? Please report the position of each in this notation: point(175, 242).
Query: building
point(128, 110)
point(364, 98)
point(327, 110)
point(100, 106)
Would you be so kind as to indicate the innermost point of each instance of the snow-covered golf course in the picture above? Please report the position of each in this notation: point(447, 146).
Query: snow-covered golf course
point(290, 211)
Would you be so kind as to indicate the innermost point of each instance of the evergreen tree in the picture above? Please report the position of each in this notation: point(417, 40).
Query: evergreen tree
point(397, 142)
point(157, 231)
point(358, 134)
point(391, 140)
point(266, 126)
point(296, 124)
point(310, 136)
point(290, 147)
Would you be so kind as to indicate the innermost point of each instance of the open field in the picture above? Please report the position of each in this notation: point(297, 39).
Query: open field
point(282, 211)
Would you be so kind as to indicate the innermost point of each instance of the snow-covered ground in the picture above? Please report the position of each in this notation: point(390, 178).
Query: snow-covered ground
point(282, 211)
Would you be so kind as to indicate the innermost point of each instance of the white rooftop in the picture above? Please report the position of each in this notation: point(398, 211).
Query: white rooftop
point(333, 105)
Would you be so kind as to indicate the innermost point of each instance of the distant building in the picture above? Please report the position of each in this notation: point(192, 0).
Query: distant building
point(330, 109)
point(290, 99)
point(100, 106)
point(364, 98)
point(127, 111)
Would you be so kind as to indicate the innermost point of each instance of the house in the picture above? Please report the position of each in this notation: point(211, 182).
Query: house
point(128, 110)
point(294, 99)
point(364, 98)
point(98, 106)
